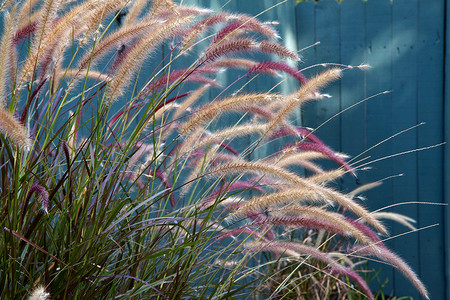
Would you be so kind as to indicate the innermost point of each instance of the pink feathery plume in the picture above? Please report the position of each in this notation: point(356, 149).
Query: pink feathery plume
point(185, 75)
point(228, 148)
point(256, 26)
point(367, 232)
point(185, 10)
point(202, 80)
point(229, 47)
point(239, 63)
point(43, 196)
point(304, 222)
point(173, 99)
point(248, 25)
point(234, 186)
point(278, 66)
point(306, 134)
point(385, 254)
point(227, 30)
point(208, 22)
point(296, 131)
point(241, 230)
point(280, 50)
point(24, 32)
point(323, 149)
point(122, 53)
point(221, 144)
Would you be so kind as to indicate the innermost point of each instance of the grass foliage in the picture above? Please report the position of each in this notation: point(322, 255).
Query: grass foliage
point(122, 177)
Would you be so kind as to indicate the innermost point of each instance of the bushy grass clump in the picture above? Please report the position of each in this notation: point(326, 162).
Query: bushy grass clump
point(121, 176)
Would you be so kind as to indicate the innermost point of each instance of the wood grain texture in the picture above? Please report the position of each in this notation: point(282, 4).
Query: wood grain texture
point(404, 42)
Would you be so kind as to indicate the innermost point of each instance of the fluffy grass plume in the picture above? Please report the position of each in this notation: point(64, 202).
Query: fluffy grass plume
point(39, 293)
point(10, 126)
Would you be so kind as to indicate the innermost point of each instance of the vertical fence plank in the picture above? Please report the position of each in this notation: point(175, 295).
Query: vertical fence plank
point(430, 80)
point(447, 147)
point(404, 115)
point(305, 31)
point(327, 32)
point(378, 113)
point(352, 84)
point(305, 35)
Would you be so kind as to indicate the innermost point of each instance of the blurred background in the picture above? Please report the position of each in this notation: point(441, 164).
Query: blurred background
point(405, 43)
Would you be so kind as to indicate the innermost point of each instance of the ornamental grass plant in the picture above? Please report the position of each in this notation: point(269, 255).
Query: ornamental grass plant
point(122, 177)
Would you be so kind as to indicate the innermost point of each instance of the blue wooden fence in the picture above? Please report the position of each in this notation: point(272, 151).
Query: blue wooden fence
point(404, 41)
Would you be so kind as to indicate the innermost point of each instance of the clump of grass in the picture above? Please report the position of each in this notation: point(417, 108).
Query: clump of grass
point(116, 185)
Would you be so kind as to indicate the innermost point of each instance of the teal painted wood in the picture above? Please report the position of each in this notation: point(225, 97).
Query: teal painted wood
point(352, 52)
point(305, 23)
point(305, 34)
point(430, 78)
point(327, 32)
point(378, 113)
point(404, 115)
point(446, 164)
point(403, 42)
